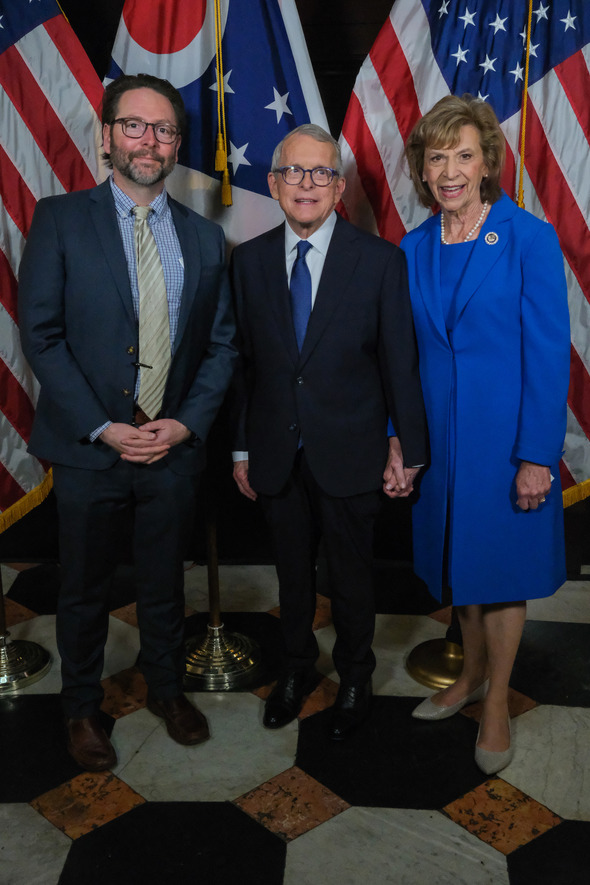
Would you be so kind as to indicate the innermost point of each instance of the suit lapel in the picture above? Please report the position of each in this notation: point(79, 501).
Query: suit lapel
point(191, 254)
point(489, 246)
point(427, 270)
point(341, 260)
point(104, 216)
point(276, 294)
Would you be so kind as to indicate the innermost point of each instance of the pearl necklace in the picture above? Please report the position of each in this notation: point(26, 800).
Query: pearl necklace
point(471, 232)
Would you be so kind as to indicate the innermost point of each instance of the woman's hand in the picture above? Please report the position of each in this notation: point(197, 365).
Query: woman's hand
point(533, 484)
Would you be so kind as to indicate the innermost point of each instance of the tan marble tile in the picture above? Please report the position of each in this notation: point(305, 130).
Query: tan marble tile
point(86, 802)
point(502, 816)
point(127, 614)
point(22, 566)
point(443, 615)
point(323, 612)
point(264, 690)
point(16, 613)
point(517, 703)
point(321, 697)
point(275, 612)
point(124, 693)
point(292, 803)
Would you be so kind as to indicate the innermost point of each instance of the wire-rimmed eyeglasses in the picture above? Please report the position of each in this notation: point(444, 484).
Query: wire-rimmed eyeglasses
point(134, 128)
point(321, 176)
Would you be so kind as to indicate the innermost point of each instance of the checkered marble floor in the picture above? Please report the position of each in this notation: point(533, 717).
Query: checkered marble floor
point(400, 802)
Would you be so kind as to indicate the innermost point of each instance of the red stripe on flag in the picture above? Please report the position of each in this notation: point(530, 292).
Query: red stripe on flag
point(10, 491)
point(43, 123)
point(371, 172)
point(7, 287)
point(15, 404)
point(579, 392)
point(18, 200)
point(558, 201)
point(567, 480)
point(574, 77)
point(396, 78)
point(508, 177)
point(76, 59)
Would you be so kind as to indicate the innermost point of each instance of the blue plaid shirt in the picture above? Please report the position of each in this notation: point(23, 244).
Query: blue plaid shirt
point(162, 227)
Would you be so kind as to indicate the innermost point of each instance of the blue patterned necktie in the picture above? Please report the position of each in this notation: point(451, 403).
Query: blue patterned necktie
point(301, 292)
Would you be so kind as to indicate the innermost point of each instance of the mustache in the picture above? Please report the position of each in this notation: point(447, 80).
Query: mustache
point(145, 152)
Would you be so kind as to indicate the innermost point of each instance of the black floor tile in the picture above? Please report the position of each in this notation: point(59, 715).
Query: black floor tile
point(558, 857)
point(34, 753)
point(553, 664)
point(177, 842)
point(393, 760)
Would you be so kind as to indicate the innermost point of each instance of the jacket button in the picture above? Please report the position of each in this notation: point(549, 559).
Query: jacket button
point(292, 427)
point(126, 392)
point(131, 349)
point(299, 380)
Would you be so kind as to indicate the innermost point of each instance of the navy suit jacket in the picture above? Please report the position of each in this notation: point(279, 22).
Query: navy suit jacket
point(358, 364)
point(80, 335)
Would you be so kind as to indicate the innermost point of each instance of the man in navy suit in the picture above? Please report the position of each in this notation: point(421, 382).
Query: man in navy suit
point(315, 389)
point(79, 319)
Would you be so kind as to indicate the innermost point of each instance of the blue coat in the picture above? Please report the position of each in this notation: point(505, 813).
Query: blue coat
point(497, 385)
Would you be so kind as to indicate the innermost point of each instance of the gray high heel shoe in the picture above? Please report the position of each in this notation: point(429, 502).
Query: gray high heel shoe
point(428, 710)
point(493, 761)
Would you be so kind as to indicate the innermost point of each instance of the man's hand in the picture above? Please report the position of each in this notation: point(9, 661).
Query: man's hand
point(241, 478)
point(533, 484)
point(145, 444)
point(398, 481)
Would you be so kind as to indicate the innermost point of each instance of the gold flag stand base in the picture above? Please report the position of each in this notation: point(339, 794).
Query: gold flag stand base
point(21, 663)
point(436, 663)
point(221, 661)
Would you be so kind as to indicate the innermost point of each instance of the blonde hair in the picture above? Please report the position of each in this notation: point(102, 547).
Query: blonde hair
point(441, 127)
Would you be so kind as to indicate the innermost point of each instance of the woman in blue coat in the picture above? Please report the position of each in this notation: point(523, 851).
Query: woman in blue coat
point(490, 307)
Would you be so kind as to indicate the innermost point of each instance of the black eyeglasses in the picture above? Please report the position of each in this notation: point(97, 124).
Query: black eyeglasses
point(134, 128)
point(321, 176)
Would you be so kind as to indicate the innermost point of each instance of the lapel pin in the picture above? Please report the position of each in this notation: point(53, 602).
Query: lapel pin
point(492, 238)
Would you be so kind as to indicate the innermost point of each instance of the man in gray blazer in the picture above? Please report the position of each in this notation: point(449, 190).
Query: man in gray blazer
point(79, 303)
point(315, 389)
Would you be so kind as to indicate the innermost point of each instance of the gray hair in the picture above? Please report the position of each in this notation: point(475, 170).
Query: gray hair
point(318, 134)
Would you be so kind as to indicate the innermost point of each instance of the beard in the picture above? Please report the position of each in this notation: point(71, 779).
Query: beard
point(123, 162)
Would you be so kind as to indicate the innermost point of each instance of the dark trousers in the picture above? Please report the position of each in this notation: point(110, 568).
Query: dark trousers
point(92, 507)
point(298, 517)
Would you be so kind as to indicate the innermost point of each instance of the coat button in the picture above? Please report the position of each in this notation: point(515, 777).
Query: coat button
point(131, 349)
point(299, 380)
point(126, 392)
point(292, 427)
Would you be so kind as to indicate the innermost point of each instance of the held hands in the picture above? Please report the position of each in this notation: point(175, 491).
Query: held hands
point(241, 478)
point(145, 444)
point(398, 480)
point(533, 484)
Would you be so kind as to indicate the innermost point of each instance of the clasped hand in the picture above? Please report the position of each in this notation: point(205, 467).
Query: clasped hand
point(145, 444)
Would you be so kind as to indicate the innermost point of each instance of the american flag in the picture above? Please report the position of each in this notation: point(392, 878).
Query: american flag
point(49, 94)
point(430, 48)
point(269, 89)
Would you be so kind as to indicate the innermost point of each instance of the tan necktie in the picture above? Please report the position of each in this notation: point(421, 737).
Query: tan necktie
point(154, 328)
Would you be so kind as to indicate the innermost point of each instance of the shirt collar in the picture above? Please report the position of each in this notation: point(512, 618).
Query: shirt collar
point(125, 205)
point(320, 239)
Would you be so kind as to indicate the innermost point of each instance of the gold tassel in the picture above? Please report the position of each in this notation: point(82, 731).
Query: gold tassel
point(226, 198)
point(220, 154)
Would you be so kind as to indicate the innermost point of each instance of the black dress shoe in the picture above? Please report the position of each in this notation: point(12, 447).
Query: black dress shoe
point(352, 706)
point(286, 699)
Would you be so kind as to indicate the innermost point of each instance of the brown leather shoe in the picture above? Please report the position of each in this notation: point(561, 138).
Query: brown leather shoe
point(185, 724)
point(89, 745)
